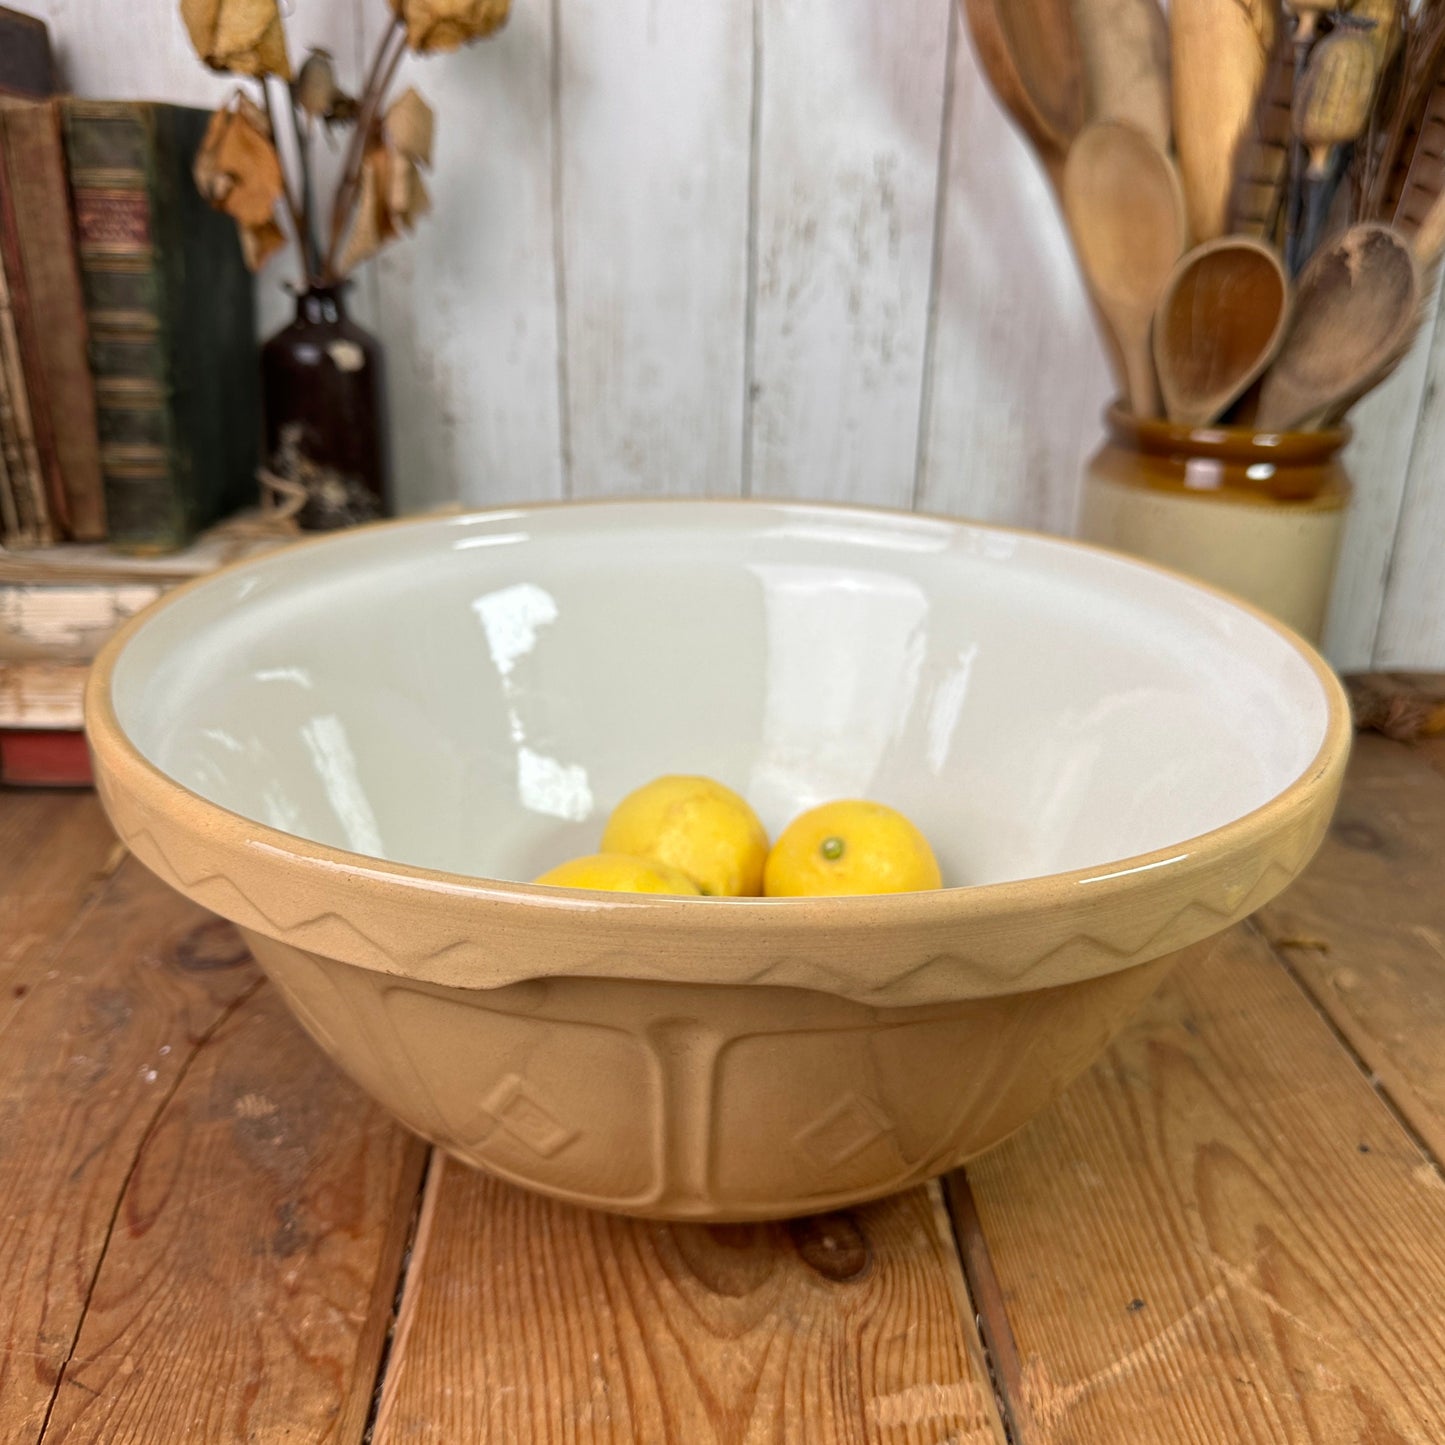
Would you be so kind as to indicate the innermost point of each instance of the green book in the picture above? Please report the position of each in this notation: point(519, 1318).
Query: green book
point(171, 313)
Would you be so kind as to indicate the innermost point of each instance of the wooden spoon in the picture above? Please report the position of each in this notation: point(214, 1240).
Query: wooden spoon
point(1356, 302)
point(1124, 45)
point(1218, 325)
point(1126, 212)
point(1218, 50)
point(1029, 51)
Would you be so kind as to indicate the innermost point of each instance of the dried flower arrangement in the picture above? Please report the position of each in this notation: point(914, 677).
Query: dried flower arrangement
point(379, 195)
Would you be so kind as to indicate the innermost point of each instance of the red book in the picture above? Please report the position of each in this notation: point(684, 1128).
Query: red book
point(44, 759)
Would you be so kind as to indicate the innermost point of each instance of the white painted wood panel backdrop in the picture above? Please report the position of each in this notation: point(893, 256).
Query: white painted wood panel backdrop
point(778, 247)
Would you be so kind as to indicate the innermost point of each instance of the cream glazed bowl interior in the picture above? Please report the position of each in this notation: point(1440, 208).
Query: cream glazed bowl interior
point(360, 748)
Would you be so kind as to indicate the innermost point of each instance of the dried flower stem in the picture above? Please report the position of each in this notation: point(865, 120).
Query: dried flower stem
point(308, 196)
point(294, 209)
point(383, 69)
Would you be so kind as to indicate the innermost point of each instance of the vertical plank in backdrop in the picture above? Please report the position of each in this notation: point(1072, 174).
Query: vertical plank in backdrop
point(1379, 462)
point(1412, 613)
point(850, 124)
point(1018, 378)
point(468, 301)
point(655, 111)
point(527, 1320)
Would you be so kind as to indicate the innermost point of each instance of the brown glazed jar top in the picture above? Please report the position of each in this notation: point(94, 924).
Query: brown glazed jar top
point(1235, 463)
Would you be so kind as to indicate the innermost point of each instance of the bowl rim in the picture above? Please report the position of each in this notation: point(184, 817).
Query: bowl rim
point(122, 771)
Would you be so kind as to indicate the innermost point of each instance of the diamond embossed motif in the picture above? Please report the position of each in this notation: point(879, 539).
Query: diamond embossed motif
point(518, 1110)
point(848, 1128)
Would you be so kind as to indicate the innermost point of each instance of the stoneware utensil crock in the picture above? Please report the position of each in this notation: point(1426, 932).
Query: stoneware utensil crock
point(358, 749)
point(1258, 513)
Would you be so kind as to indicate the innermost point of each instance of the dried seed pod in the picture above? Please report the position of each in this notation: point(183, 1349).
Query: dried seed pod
point(1332, 100)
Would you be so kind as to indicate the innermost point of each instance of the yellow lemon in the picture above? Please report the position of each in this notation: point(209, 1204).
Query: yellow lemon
point(850, 847)
point(697, 825)
point(618, 873)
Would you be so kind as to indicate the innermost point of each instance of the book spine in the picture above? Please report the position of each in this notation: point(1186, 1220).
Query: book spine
point(29, 488)
point(27, 67)
point(54, 341)
point(27, 329)
point(111, 154)
point(10, 531)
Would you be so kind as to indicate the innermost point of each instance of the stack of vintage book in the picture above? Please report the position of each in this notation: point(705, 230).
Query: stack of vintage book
point(128, 394)
point(129, 409)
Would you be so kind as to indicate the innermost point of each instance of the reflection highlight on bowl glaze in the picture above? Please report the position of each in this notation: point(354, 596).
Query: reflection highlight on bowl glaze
point(513, 618)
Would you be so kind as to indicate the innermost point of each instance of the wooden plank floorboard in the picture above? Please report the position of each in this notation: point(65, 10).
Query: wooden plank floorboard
point(100, 1034)
point(529, 1321)
point(1364, 929)
point(56, 850)
point(247, 1287)
point(1220, 1233)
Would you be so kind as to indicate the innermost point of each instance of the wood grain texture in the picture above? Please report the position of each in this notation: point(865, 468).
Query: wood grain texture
point(656, 107)
point(95, 1033)
point(56, 850)
point(847, 170)
point(1011, 324)
point(247, 1286)
point(1364, 928)
point(1221, 1233)
point(528, 1321)
point(468, 303)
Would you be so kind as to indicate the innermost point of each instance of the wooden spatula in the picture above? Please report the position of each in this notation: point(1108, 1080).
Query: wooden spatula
point(1218, 50)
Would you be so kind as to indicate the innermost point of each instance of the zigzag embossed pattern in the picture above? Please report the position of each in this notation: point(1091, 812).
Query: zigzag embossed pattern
point(428, 934)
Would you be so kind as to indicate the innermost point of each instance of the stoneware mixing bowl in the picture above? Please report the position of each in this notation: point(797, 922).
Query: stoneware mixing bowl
point(359, 749)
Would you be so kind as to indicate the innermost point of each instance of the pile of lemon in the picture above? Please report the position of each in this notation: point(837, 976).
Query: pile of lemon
point(692, 835)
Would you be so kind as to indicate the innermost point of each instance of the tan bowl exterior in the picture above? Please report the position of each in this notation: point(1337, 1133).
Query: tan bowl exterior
point(619, 1051)
point(702, 1101)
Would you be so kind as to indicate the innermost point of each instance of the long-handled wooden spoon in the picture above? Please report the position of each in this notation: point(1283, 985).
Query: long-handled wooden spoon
point(1356, 303)
point(1126, 213)
point(1029, 51)
point(1219, 323)
point(1218, 51)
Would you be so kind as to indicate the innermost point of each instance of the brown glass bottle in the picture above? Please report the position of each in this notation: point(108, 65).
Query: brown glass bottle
point(324, 395)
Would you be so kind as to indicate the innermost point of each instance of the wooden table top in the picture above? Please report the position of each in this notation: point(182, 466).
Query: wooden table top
point(1232, 1229)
